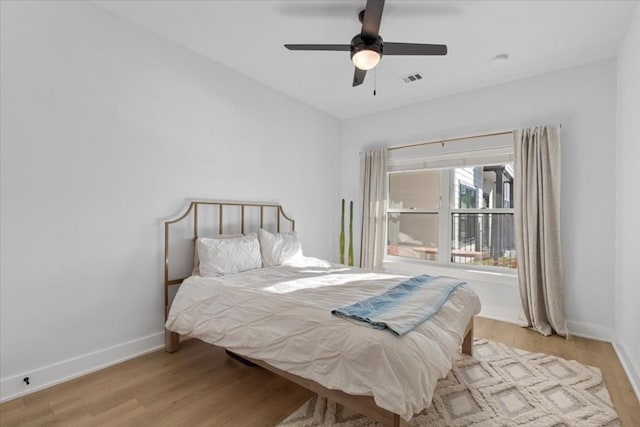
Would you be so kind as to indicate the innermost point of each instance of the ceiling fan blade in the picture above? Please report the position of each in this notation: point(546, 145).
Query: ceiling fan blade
point(372, 17)
point(331, 47)
point(358, 76)
point(391, 48)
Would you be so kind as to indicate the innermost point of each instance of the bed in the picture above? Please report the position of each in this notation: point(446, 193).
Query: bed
point(279, 317)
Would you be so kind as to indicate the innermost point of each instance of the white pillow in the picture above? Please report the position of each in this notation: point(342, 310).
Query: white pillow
point(278, 249)
point(228, 256)
point(196, 258)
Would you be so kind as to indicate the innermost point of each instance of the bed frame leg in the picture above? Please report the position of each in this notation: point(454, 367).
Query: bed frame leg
point(467, 344)
point(171, 341)
point(399, 422)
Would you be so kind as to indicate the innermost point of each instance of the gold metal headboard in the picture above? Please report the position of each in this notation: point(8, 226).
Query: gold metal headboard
point(219, 209)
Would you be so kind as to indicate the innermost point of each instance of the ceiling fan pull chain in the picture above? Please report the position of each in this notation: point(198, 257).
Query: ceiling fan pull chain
point(375, 75)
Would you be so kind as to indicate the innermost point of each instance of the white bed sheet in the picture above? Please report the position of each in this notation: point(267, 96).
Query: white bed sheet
point(282, 315)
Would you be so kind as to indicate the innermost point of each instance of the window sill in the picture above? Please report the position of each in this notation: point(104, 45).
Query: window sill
point(409, 266)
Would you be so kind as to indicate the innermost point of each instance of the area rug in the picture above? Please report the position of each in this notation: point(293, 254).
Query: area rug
point(498, 386)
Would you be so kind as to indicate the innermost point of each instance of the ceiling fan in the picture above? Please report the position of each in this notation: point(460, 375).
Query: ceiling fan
point(368, 47)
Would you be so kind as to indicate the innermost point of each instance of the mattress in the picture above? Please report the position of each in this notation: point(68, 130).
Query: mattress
point(282, 315)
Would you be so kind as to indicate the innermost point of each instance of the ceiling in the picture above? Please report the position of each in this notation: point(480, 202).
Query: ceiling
point(248, 37)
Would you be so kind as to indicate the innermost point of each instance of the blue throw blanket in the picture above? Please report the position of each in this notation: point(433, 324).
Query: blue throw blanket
point(403, 307)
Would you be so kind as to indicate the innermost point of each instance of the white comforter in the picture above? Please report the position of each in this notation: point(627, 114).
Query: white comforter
point(282, 315)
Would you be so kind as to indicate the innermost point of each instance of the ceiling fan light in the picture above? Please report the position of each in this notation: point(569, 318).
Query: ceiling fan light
point(366, 59)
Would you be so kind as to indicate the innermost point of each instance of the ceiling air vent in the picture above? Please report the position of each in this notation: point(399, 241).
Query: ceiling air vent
point(412, 77)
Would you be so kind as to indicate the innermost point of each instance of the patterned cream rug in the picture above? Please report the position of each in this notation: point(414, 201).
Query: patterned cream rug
point(499, 386)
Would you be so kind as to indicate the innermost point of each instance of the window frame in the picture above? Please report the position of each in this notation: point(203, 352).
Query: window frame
point(445, 221)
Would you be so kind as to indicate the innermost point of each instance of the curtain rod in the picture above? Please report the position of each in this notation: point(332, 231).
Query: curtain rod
point(442, 141)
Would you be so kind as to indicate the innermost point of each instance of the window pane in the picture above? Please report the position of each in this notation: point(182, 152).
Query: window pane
point(497, 186)
point(483, 239)
point(420, 190)
point(468, 197)
point(467, 187)
point(413, 235)
point(483, 187)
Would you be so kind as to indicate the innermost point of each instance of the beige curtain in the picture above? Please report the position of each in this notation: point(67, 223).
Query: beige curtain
point(373, 171)
point(537, 224)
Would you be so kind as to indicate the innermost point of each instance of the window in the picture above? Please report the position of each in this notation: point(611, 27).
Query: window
point(457, 215)
point(468, 197)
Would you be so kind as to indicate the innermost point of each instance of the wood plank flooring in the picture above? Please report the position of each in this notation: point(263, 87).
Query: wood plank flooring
point(200, 386)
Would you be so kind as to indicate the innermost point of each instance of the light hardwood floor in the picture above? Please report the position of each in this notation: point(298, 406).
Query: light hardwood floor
point(200, 386)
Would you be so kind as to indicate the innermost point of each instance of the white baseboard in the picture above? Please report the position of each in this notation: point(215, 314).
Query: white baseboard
point(47, 376)
point(579, 329)
point(589, 330)
point(633, 372)
point(503, 314)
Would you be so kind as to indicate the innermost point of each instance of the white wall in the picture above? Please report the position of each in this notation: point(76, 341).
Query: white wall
point(106, 131)
point(583, 100)
point(627, 267)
